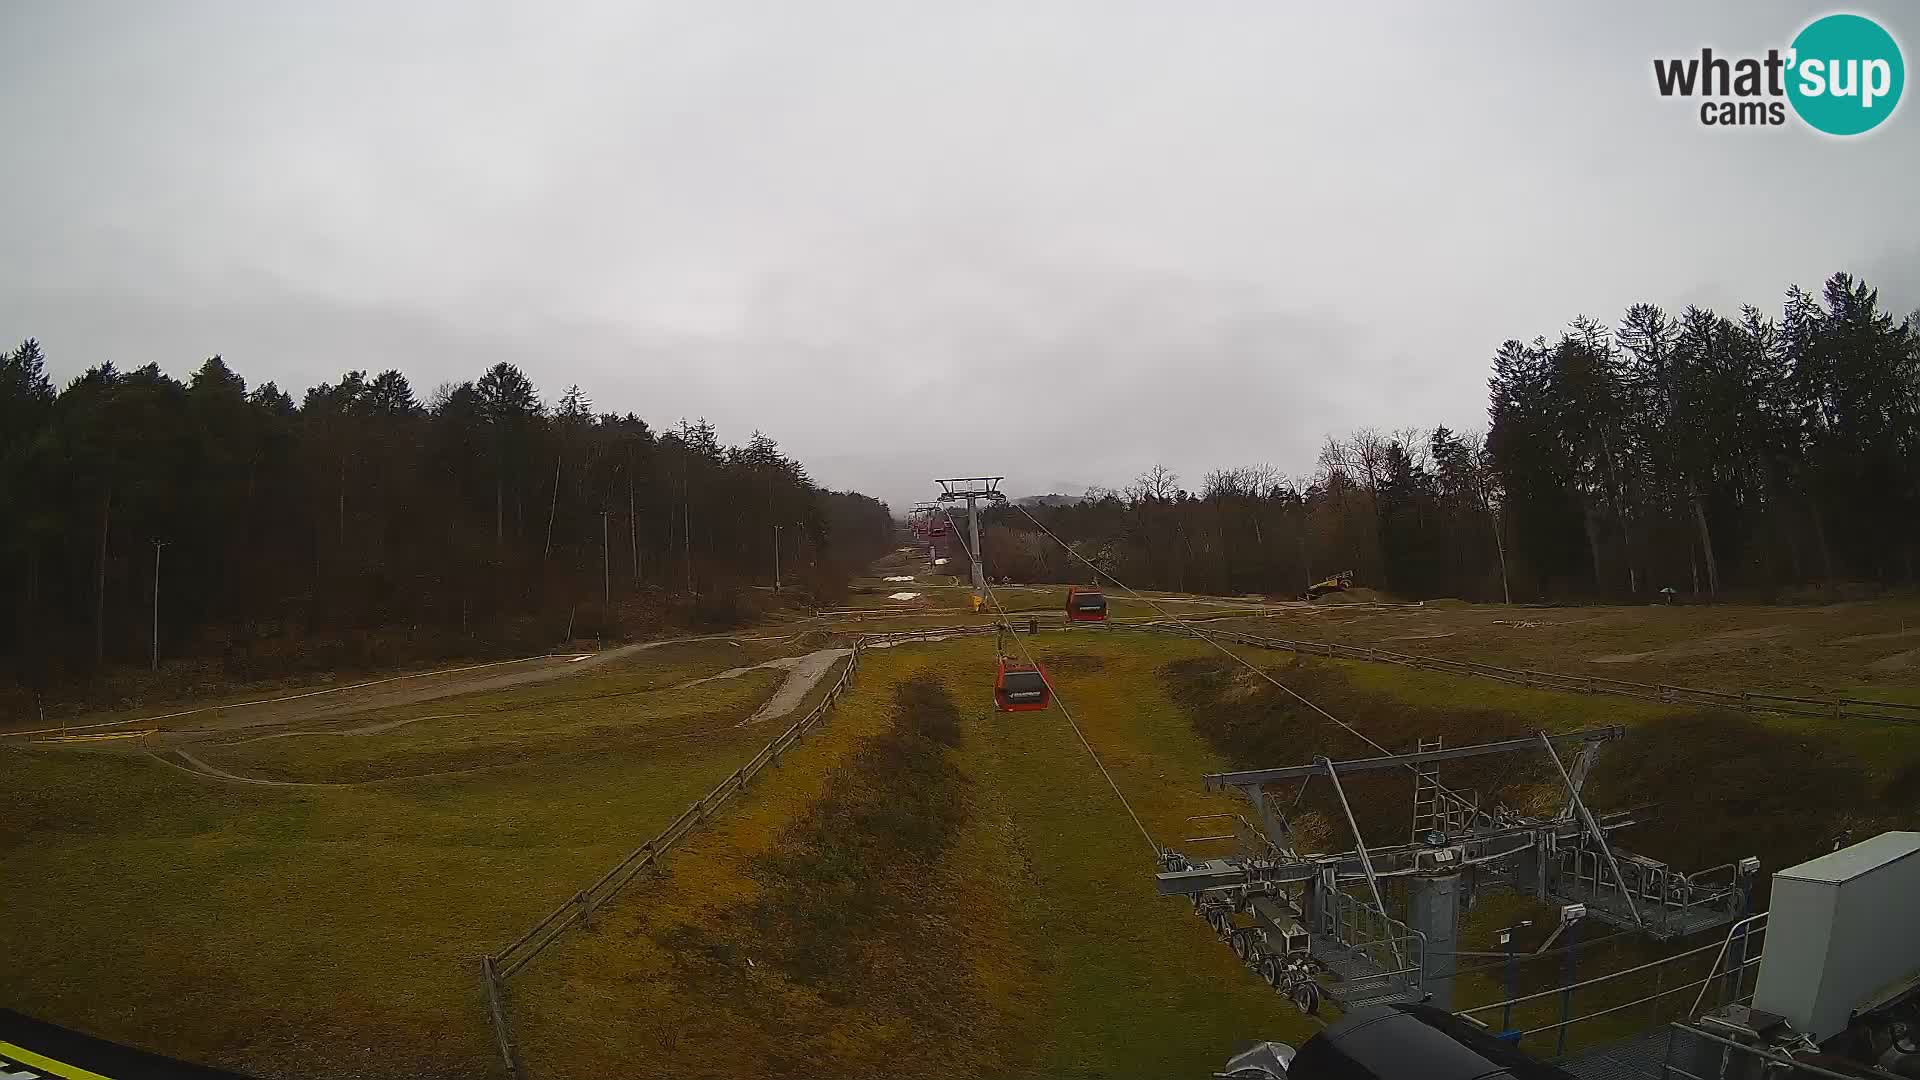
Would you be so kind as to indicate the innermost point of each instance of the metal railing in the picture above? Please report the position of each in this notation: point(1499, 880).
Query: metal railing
point(1395, 950)
point(1735, 963)
point(1668, 901)
point(1744, 938)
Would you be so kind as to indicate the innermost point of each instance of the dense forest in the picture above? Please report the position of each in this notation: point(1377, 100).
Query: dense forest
point(362, 525)
point(1719, 457)
point(1715, 456)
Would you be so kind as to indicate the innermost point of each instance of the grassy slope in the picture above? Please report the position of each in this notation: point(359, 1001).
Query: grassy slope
point(621, 708)
point(1788, 784)
point(271, 930)
point(1139, 986)
point(674, 662)
point(1049, 928)
point(1731, 646)
point(321, 931)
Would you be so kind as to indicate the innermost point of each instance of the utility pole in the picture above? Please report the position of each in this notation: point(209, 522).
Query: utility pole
point(156, 605)
point(1499, 544)
point(633, 523)
point(973, 489)
point(547, 552)
point(776, 558)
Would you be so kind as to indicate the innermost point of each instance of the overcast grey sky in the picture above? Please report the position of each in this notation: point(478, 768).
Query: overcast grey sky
point(1060, 241)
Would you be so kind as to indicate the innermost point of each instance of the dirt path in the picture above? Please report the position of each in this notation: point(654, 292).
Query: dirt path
point(427, 687)
point(802, 676)
point(1902, 661)
point(207, 722)
point(200, 768)
point(367, 729)
point(384, 693)
point(804, 672)
point(1697, 648)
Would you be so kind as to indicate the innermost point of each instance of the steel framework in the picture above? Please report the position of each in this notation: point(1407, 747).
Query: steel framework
point(1320, 925)
point(973, 489)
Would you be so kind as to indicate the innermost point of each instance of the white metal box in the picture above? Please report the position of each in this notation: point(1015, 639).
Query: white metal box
point(1842, 928)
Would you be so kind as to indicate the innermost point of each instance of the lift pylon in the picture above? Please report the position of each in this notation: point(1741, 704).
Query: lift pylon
point(974, 489)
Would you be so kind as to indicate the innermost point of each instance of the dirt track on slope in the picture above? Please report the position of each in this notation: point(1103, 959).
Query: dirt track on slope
point(194, 724)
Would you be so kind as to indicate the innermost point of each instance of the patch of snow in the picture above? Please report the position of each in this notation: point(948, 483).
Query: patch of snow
point(903, 596)
point(939, 562)
point(901, 577)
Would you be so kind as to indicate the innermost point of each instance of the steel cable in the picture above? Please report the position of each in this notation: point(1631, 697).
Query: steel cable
point(1057, 699)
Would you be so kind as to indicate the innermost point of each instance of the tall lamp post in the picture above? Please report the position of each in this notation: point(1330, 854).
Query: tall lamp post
point(157, 545)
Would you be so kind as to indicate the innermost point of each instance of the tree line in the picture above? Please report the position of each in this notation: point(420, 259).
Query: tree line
point(1732, 457)
point(210, 518)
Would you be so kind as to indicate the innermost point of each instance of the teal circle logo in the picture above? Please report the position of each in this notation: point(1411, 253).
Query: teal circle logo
point(1846, 74)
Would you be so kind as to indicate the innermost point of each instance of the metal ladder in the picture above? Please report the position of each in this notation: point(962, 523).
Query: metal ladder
point(1426, 792)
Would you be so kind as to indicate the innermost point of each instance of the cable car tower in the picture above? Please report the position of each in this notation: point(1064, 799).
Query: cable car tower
point(973, 489)
point(920, 519)
point(1314, 925)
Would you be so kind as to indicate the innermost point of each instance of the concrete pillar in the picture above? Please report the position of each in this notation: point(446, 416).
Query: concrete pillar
point(1433, 909)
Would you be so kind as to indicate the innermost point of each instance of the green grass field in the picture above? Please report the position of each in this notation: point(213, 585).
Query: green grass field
point(1049, 933)
point(333, 931)
point(1867, 648)
point(621, 711)
point(977, 894)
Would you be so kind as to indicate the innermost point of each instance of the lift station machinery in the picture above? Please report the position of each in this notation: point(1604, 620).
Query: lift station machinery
point(1320, 925)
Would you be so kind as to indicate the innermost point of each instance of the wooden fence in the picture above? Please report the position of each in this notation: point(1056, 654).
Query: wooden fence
point(498, 967)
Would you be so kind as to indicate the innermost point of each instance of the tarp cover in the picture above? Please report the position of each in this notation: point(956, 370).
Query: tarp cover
point(31, 1049)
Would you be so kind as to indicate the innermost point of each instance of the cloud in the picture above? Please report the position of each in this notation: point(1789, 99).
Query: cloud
point(1061, 242)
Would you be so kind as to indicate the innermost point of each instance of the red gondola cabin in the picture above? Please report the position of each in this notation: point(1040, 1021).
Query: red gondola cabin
point(1019, 687)
point(1086, 604)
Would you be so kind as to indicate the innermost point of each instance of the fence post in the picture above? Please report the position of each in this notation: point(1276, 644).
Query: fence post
point(502, 1034)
